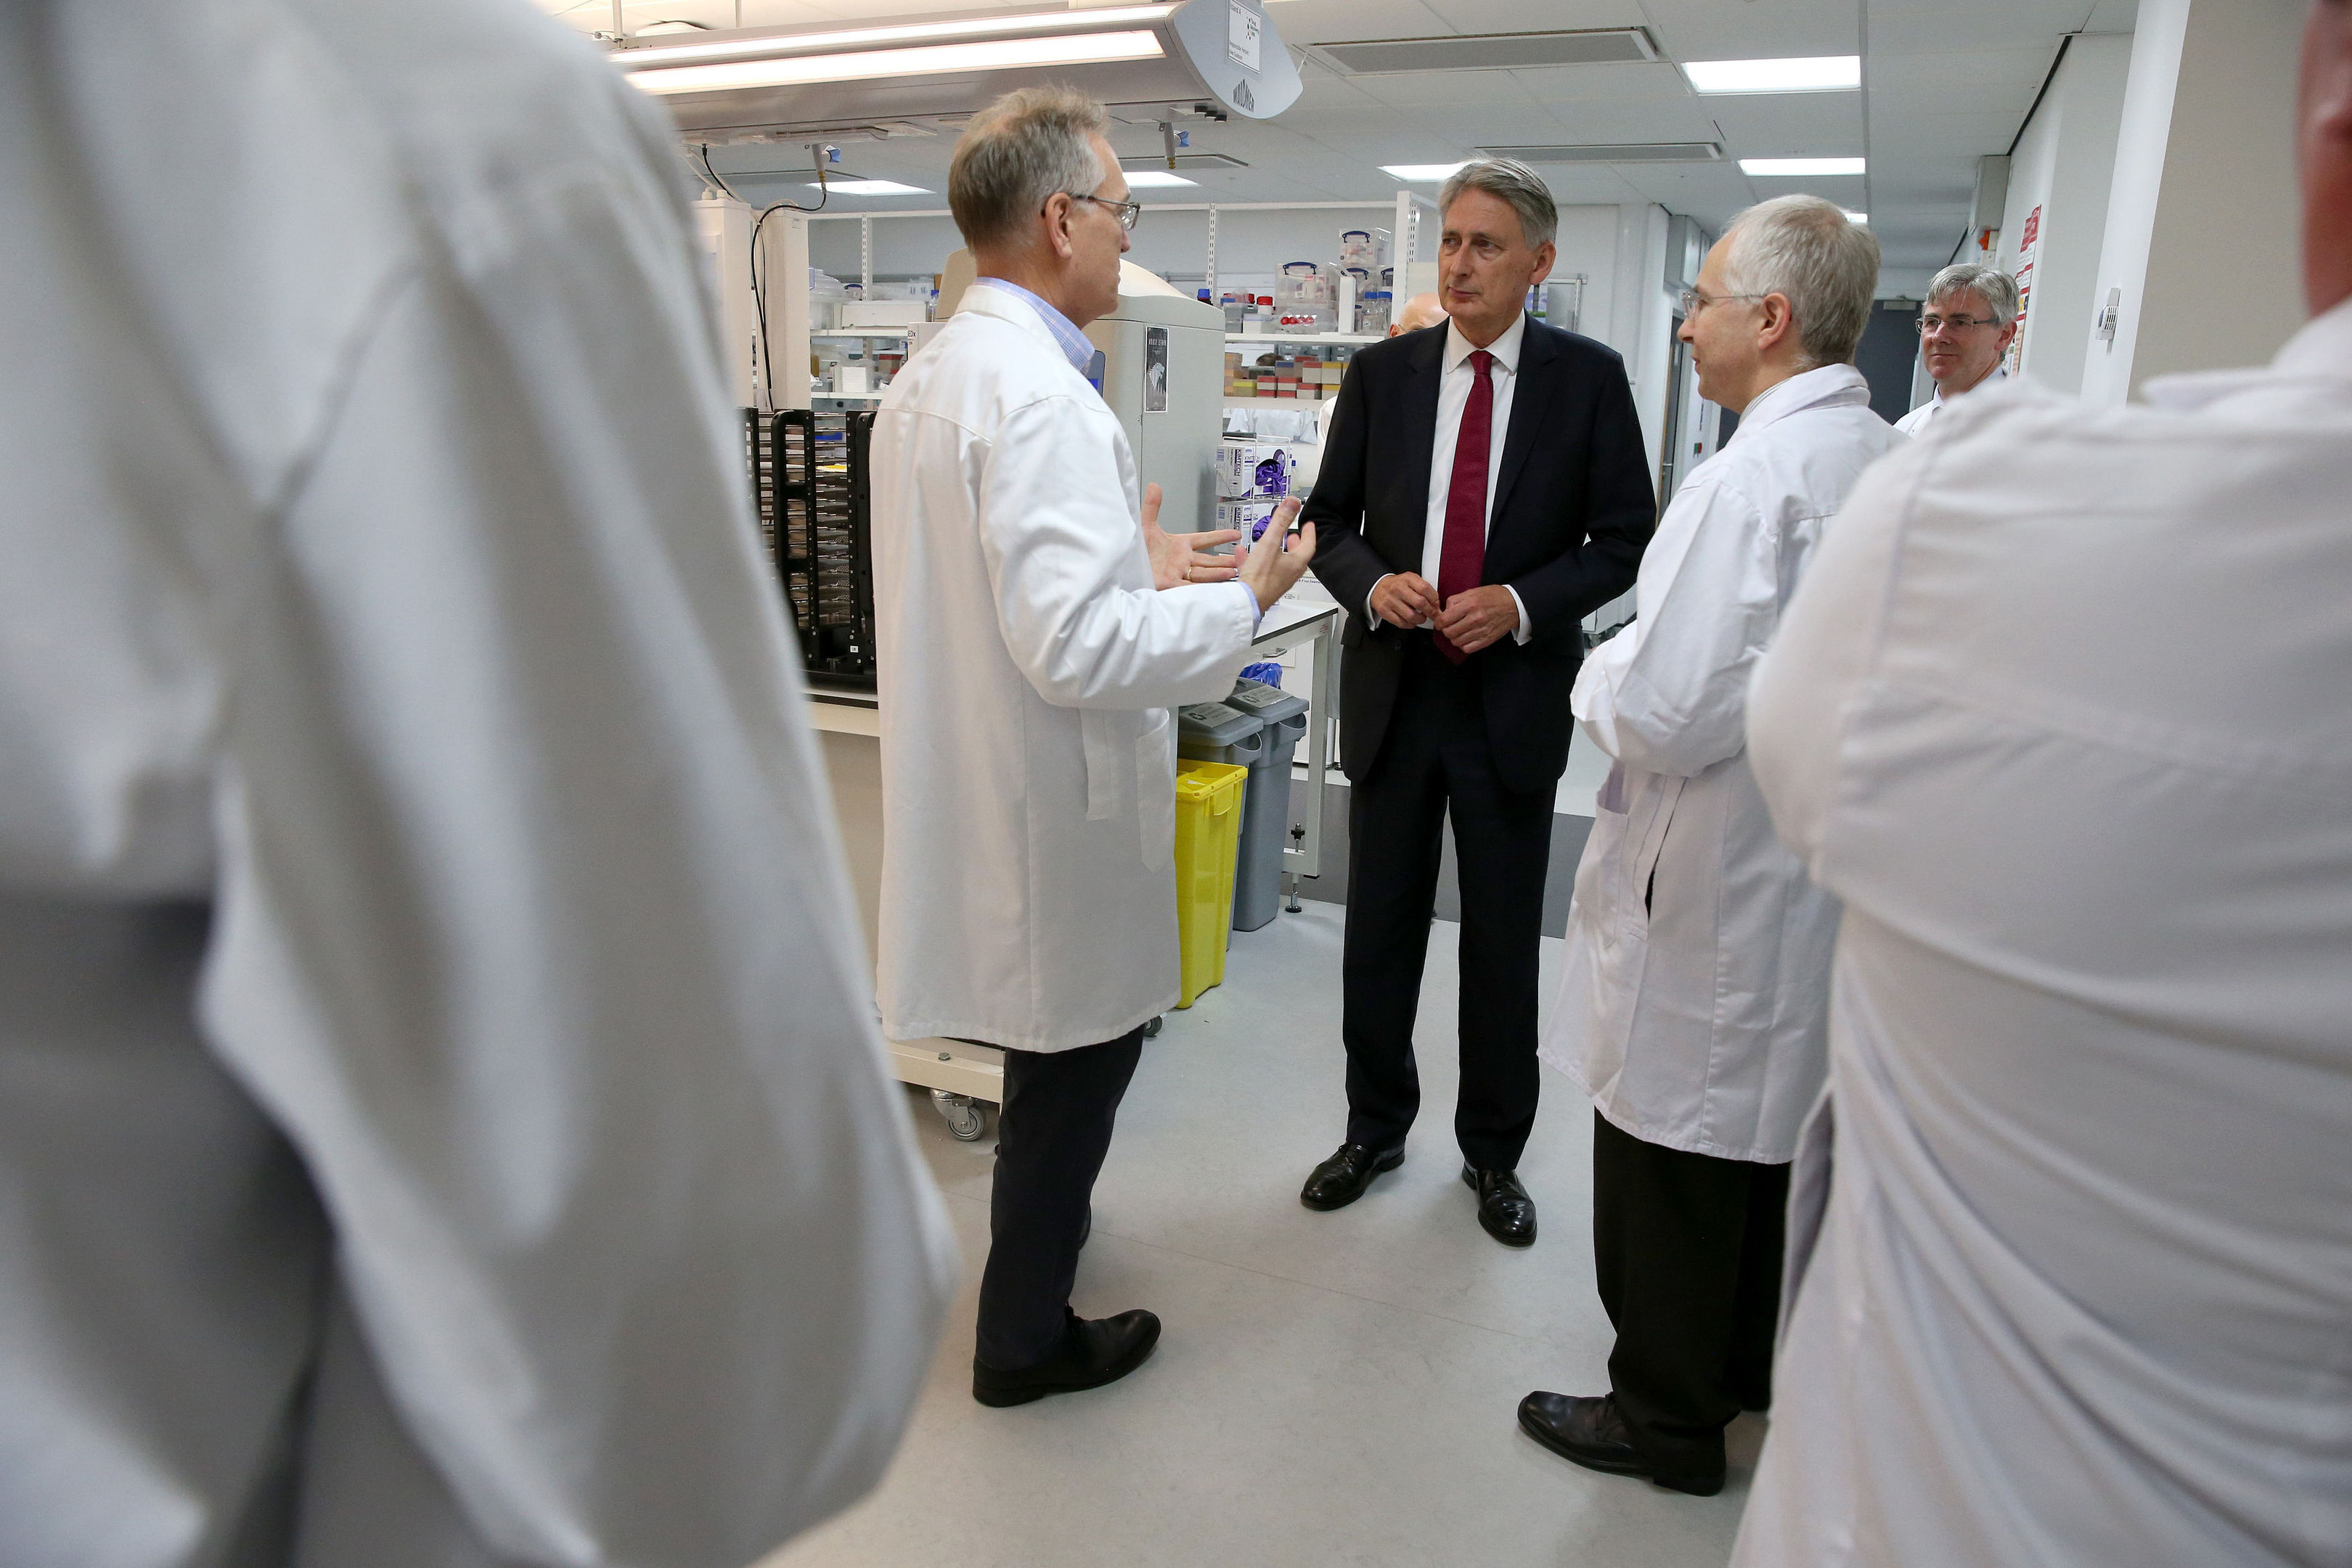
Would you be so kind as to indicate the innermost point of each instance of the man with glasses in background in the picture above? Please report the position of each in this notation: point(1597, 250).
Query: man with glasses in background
point(1028, 661)
point(1969, 322)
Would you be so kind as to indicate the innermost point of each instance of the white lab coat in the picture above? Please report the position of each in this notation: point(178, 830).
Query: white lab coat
point(427, 974)
point(1692, 1003)
point(1027, 671)
point(2060, 716)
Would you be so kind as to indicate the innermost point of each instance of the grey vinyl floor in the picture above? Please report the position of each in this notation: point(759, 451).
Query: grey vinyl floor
point(1330, 1388)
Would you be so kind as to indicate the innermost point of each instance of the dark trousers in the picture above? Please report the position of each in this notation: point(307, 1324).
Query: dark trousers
point(1436, 758)
point(1686, 1249)
point(1051, 1133)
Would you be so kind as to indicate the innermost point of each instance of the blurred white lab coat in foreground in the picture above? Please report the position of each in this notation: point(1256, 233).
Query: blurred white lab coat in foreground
point(1027, 671)
point(1692, 1002)
point(2060, 715)
point(441, 1120)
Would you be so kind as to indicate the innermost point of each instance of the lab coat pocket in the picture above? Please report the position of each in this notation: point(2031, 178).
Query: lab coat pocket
point(1648, 801)
point(1155, 788)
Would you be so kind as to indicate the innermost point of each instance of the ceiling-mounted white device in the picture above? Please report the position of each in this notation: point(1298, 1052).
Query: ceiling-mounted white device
point(1221, 57)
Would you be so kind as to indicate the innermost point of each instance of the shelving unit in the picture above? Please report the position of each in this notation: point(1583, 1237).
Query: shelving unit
point(860, 334)
point(1310, 339)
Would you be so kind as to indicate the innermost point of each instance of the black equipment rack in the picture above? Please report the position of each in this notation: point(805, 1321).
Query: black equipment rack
point(811, 484)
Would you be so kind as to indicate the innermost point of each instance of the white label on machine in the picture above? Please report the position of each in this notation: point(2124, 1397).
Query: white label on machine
point(1241, 39)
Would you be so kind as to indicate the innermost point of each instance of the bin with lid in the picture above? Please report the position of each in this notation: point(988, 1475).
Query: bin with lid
point(1265, 810)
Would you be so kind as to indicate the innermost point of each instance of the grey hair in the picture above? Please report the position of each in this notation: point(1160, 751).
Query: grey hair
point(1999, 289)
point(1806, 251)
point(1509, 181)
point(1017, 154)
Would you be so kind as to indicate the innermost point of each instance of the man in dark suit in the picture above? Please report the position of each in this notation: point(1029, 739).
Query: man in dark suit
point(1484, 490)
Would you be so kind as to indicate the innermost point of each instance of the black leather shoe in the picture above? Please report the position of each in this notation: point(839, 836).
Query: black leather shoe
point(1341, 1179)
point(1589, 1432)
point(1093, 1351)
point(1504, 1207)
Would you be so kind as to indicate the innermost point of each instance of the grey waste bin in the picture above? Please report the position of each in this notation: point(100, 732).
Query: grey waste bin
point(1215, 732)
point(1265, 801)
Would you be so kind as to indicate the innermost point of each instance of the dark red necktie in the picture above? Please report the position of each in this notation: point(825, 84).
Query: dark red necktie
point(1462, 560)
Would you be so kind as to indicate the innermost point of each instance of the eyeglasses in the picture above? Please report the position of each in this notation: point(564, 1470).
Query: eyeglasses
point(1690, 302)
point(1931, 323)
point(1126, 211)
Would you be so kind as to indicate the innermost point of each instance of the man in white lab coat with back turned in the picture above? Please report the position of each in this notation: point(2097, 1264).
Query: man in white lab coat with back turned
point(1693, 997)
point(1031, 635)
point(440, 1120)
point(2076, 1286)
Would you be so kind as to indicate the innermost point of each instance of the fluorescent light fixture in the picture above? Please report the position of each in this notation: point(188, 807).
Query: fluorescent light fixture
point(1813, 73)
point(1860, 219)
point(1800, 168)
point(1420, 172)
point(993, 54)
point(871, 188)
point(908, 33)
point(1142, 179)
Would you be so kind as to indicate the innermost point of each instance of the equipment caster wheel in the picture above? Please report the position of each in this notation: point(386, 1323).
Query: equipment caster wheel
point(1151, 1029)
point(966, 1120)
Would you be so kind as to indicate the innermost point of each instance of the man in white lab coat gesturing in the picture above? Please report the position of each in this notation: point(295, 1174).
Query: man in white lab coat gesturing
point(2077, 1286)
point(1031, 635)
point(1693, 999)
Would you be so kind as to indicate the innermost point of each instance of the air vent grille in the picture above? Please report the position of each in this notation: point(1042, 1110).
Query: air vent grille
point(1614, 152)
point(1494, 51)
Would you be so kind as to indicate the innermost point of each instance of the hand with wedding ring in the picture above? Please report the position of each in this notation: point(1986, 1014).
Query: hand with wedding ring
point(1181, 558)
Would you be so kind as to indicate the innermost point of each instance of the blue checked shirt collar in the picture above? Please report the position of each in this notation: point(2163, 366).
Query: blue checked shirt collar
point(1074, 345)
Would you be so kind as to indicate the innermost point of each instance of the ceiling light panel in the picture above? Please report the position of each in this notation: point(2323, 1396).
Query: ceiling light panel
point(871, 188)
point(1613, 152)
point(1800, 168)
point(1146, 179)
point(935, 60)
point(768, 44)
point(1812, 73)
point(1420, 172)
point(1493, 51)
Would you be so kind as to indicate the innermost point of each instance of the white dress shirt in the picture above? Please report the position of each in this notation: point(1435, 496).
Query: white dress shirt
point(1919, 418)
point(2074, 1287)
point(1454, 386)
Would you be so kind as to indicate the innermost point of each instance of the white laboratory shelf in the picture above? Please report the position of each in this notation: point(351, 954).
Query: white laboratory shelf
point(1279, 338)
point(862, 333)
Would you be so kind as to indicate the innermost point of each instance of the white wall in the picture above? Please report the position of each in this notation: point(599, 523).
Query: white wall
point(2204, 216)
point(2064, 164)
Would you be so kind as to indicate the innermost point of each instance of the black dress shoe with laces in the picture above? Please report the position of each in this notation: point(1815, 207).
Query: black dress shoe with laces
point(1093, 1351)
point(1341, 1179)
point(1504, 1207)
point(1590, 1432)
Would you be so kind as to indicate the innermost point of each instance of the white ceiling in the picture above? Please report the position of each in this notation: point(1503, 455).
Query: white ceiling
point(1945, 82)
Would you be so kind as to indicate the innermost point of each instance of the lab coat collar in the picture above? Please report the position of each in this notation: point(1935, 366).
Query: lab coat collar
point(1506, 349)
point(1831, 386)
point(2319, 357)
point(1006, 306)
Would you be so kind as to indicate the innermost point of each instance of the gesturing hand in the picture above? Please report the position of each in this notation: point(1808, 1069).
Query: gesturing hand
point(1181, 558)
point(1272, 569)
point(1477, 617)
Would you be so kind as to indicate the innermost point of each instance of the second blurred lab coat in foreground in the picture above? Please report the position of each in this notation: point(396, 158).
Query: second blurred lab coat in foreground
point(1028, 666)
point(441, 1122)
point(1692, 1003)
point(2076, 1286)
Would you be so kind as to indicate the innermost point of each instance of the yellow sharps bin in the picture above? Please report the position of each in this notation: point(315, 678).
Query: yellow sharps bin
point(1208, 839)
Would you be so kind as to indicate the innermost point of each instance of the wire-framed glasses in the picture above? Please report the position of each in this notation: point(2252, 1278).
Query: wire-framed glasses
point(1931, 323)
point(1690, 302)
point(1126, 211)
